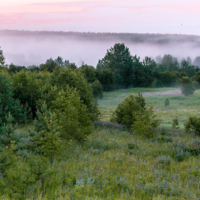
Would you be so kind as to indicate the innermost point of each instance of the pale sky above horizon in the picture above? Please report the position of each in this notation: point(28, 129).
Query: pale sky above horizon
point(136, 16)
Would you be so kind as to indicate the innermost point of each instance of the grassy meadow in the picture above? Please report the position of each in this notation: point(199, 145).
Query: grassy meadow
point(114, 164)
point(180, 105)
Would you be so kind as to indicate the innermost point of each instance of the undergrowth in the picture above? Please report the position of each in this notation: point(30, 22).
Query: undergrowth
point(111, 164)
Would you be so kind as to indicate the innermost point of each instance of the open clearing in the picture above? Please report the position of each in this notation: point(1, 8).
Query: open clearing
point(180, 105)
point(175, 92)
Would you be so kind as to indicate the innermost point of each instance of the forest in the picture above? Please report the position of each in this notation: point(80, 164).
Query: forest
point(54, 146)
point(119, 69)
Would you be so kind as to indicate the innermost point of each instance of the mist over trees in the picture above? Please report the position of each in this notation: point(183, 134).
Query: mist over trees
point(25, 48)
point(161, 39)
point(117, 69)
point(197, 61)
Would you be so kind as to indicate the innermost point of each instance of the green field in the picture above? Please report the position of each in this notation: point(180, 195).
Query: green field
point(113, 164)
point(180, 105)
point(105, 168)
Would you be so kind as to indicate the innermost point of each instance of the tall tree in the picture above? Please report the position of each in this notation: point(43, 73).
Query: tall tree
point(107, 79)
point(59, 61)
point(188, 69)
point(26, 88)
point(50, 65)
point(89, 73)
point(119, 60)
point(71, 66)
point(8, 103)
point(62, 78)
point(170, 63)
point(142, 73)
point(2, 58)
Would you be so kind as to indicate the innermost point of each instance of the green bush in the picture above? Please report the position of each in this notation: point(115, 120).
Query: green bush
point(64, 78)
point(48, 142)
point(18, 174)
point(26, 88)
point(7, 158)
point(88, 72)
point(7, 135)
point(192, 125)
point(187, 87)
point(166, 102)
point(127, 110)
point(40, 123)
point(72, 116)
point(175, 123)
point(145, 123)
point(97, 89)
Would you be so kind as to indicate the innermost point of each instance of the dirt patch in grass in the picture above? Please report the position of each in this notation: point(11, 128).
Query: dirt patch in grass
point(175, 92)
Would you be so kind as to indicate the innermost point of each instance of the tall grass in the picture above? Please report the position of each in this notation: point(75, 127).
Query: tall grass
point(114, 164)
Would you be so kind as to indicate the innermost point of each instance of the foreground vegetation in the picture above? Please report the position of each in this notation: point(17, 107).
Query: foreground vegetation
point(112, 164)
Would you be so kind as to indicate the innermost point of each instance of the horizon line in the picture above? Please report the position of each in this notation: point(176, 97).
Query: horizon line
point(98, 32)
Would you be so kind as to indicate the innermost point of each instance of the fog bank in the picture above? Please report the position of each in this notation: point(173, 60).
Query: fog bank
point(33, 48)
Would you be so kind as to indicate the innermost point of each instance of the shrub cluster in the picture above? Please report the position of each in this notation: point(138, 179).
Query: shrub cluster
point(187, 87)
point(167, 102)
point(192, 125)
point(133, 113)
point(62, 105)
point(175, 123)
point(127, 110)
point(65, 111)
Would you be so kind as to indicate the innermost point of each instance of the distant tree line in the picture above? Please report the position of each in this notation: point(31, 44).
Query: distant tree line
point(119, 69)
point(134, 38)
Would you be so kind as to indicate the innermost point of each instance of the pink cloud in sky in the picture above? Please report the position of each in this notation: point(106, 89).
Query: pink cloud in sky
point(103, 15)
point(57, 8)
point(23, 18)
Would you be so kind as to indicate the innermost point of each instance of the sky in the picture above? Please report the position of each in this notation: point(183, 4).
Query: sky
point(133, 16)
